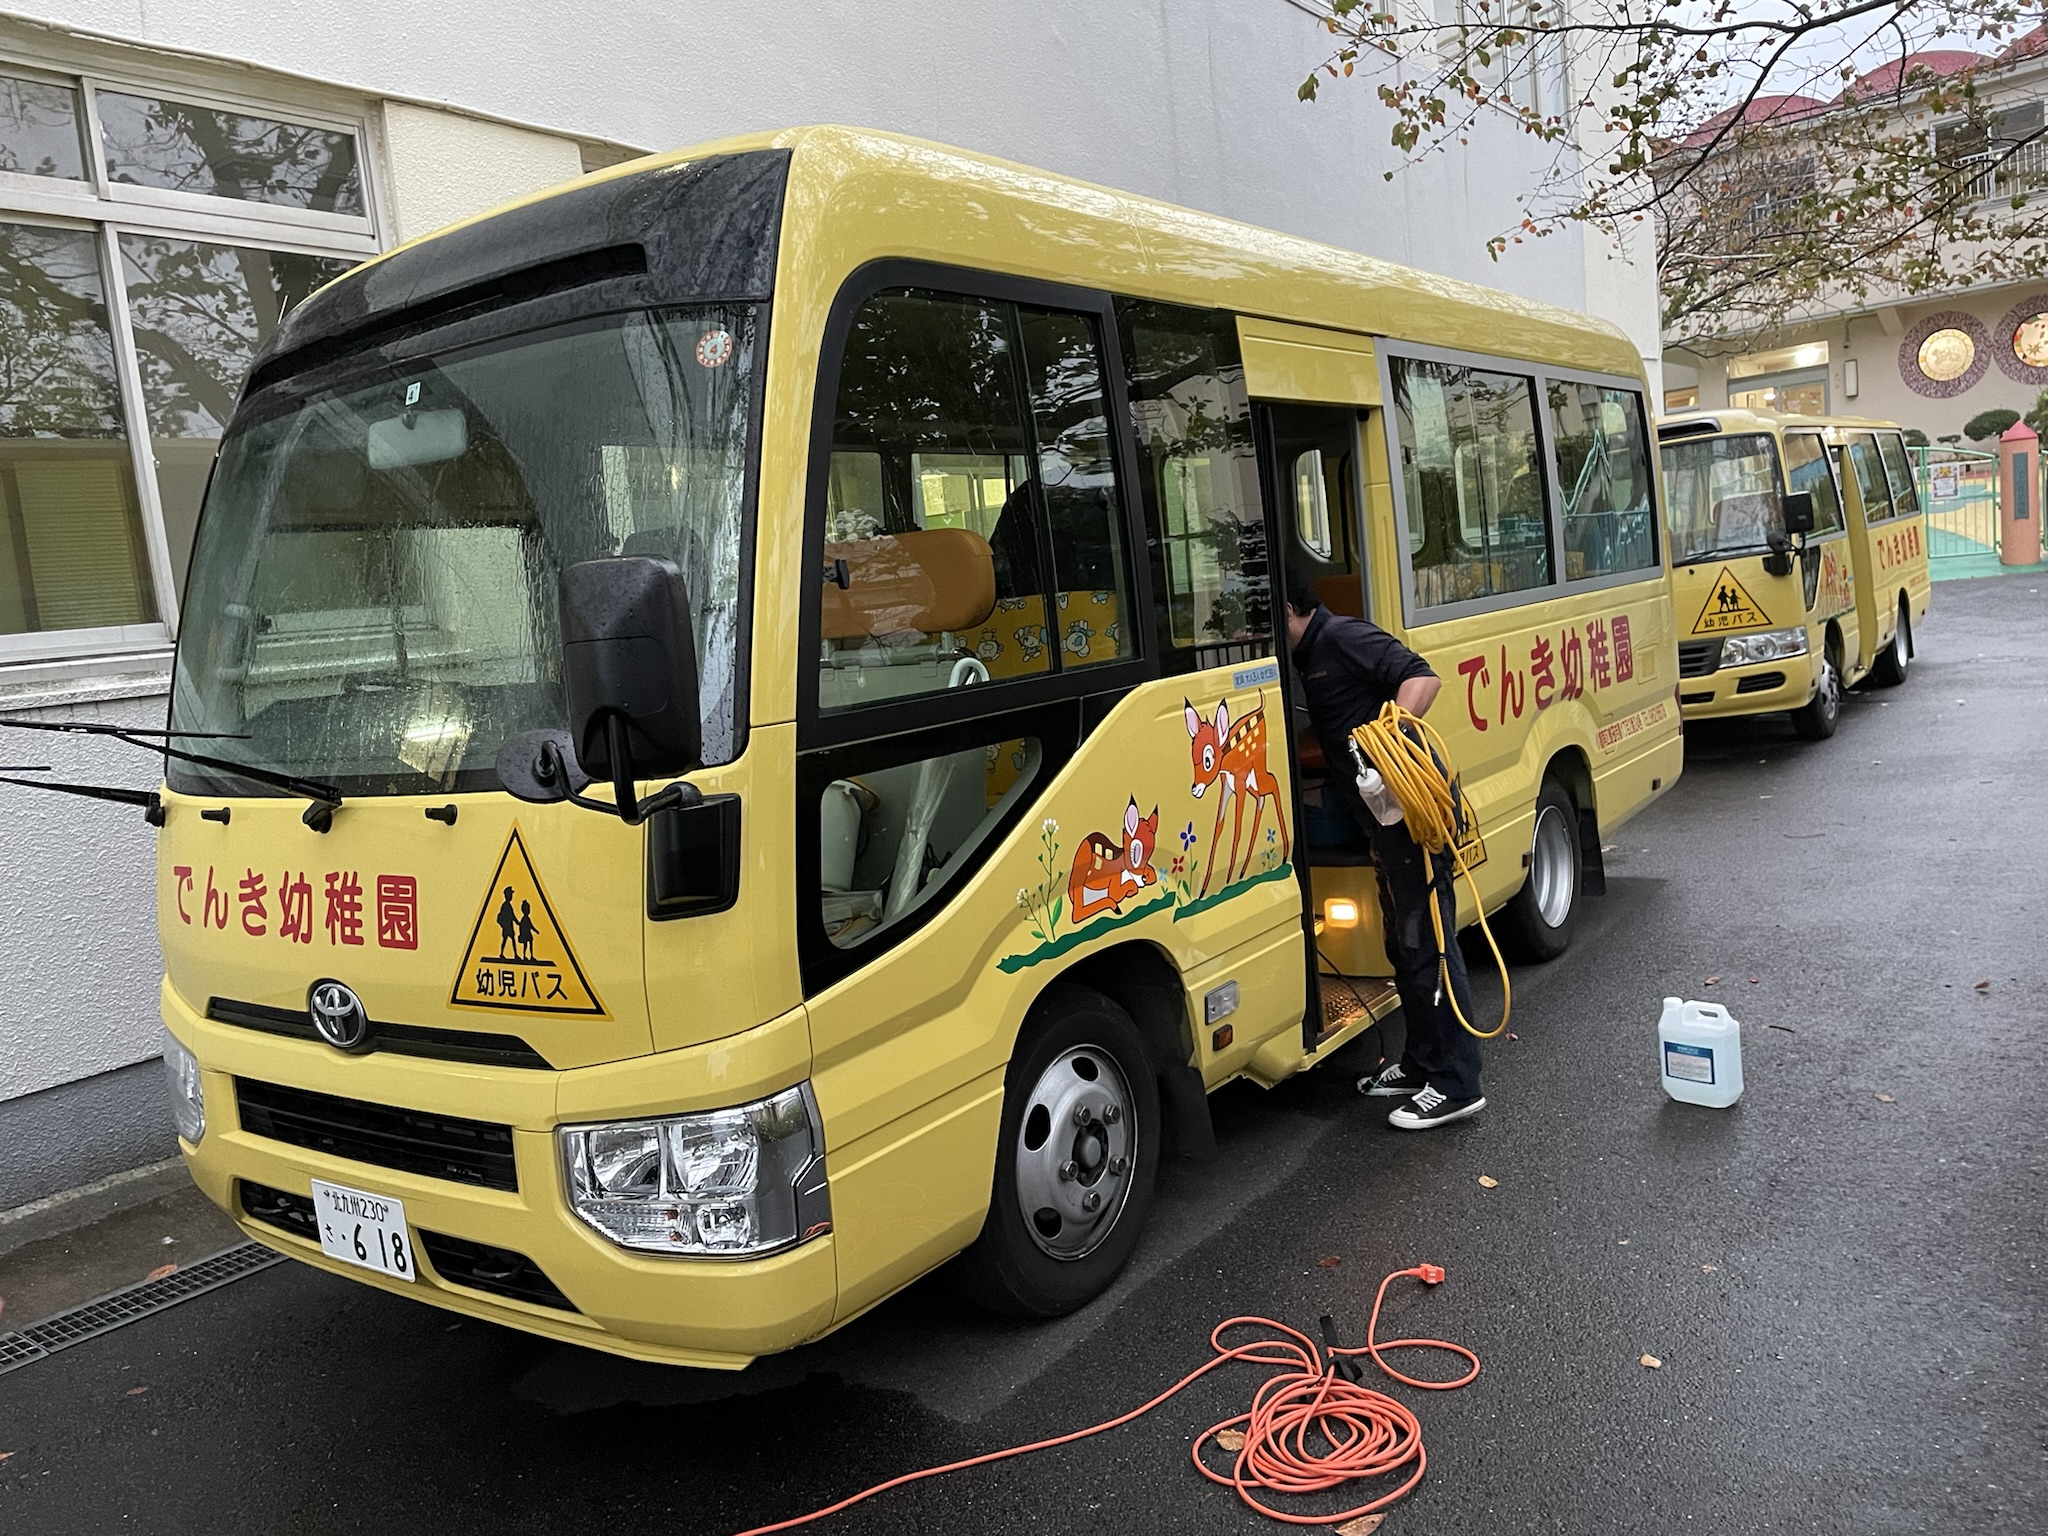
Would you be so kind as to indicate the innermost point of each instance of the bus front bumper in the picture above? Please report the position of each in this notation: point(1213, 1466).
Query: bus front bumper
point(1760, 688)
point(580, 1287)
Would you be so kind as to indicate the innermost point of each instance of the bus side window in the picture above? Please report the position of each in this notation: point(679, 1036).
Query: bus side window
point(1898, 469)
point(1807, 469)
point(1476, 505)
point(1603, 469)
point(972, 512)
point(1199, 484)
point(1870, 481)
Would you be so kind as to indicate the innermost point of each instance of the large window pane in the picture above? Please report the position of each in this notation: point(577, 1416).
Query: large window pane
point(1603, 470)
point(181, 147)
point(71, 550)
point(199, 313)
point(1722, 496)
point(1477, 525)
point(1899, 470)
point(1199, 481)
point(1869, 471)
point(39, 129)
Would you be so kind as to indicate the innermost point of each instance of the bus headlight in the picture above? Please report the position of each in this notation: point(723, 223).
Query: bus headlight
point(1771, 645)
point(732, 1182)
point(181, 1076)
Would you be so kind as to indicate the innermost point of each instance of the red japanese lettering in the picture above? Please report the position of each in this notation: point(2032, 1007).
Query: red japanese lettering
point(1572, 653)
point(1474, 670)
point(398, 904)
point(215, 914)
point(294, 908)
point(1624, 650)
point(182, 873)
point(254, 914)
point(1514, 688)
point(344, 907)
point(1597, 655)
point(1540, 672)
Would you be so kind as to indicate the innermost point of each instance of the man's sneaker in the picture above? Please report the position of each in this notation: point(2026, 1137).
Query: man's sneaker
point(1390, 1083)
point(1430, 1109)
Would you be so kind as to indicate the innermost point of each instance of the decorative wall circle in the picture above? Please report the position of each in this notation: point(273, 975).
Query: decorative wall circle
point(2021, 341)
point(1946, 355)
point(1941, 342)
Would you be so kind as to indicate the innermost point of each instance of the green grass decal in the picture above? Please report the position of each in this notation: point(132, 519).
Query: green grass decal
point(1194, 908)
point(1080, 936)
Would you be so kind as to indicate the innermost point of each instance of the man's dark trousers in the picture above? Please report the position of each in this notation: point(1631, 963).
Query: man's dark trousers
point(1439, 1050)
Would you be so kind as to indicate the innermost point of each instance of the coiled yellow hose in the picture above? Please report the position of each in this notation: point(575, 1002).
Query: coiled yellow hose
point(1416, 766)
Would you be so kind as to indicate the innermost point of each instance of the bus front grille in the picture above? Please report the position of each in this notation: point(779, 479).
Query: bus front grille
point(413, 1140)
point(1698, 658)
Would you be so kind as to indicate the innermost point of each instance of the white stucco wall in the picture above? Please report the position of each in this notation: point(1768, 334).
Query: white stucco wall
point(78, 944)
point(1190, 100)
point(443, 166)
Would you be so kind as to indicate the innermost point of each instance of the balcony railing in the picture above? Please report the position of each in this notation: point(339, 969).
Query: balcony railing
point(2018, 174)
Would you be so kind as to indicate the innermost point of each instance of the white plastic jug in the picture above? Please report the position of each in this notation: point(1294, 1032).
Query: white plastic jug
point(1701, 1050)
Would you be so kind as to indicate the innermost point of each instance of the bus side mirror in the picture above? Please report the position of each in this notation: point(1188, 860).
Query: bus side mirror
point(1797, 508)
point(629, 665)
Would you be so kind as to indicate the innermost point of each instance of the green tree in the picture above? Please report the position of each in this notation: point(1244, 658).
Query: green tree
point(1989, 426)
point(1779, 165)
point(2037, 418)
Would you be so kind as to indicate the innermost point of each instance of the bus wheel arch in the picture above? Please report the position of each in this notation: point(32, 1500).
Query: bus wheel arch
point(1889, 670)
point(1142, 979)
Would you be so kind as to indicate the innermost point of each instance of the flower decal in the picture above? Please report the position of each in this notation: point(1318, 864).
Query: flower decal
point(1187, 837)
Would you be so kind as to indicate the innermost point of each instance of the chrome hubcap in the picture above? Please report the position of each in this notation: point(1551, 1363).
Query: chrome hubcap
point(1902, 641)
point(1553, 866)
point(1076, 1144)
point(1830, 689)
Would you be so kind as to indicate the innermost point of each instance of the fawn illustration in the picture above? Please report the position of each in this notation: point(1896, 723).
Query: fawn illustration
point(1105, 874)
point(1236, 754)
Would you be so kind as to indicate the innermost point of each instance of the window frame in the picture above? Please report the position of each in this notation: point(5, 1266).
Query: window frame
point(108, 211)
point(1912, 487)
point(1414, 616)
point(817, 729)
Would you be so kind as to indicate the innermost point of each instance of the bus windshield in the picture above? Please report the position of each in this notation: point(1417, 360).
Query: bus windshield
point(372, 598)
point(1723, 496)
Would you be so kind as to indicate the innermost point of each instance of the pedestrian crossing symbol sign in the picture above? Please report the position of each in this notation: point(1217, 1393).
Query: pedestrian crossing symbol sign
point(519, 958)
point(1728, 608)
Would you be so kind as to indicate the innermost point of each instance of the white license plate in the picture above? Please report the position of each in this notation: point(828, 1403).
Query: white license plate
point(360, 1228)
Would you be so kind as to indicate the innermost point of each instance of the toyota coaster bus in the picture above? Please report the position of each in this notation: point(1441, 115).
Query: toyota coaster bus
point(736, 745)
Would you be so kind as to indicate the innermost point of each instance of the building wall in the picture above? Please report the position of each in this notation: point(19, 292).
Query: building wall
point(468, 104)
point(1883, 345)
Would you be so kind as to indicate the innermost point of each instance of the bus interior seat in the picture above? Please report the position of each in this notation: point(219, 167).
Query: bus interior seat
point(904, 592)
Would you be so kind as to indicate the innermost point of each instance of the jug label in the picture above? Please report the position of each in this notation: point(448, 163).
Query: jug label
point(1689, 1063)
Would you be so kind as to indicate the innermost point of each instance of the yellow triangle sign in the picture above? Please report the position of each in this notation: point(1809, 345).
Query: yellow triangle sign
point(1729, 607)
point(519, 958)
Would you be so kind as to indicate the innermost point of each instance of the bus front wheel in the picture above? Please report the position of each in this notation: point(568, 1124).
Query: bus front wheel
point(1075, 1165)
point(1817, 718)
point(1537, 924)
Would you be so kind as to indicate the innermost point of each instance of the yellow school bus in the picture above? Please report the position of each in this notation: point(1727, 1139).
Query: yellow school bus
point(1887, 538)
point(732, 747)
point(1763, 580)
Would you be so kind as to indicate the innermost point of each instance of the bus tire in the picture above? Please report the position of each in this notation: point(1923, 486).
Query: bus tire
point(1889, 670)
point(1537, 923)
point(1817, 718)
point(1075, 1163)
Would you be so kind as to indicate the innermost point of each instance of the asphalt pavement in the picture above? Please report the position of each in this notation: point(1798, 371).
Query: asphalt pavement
point(1842, 1276)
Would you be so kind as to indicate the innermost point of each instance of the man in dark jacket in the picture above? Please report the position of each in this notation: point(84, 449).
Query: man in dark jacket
point(1349, 669)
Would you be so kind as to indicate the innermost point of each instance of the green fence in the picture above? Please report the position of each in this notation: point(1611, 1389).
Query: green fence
point(1959, 490)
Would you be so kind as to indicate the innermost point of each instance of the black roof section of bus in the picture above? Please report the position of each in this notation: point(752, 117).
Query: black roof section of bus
point(700, 232)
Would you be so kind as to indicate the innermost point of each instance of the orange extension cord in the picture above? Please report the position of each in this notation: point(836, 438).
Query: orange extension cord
point(1362, 1433)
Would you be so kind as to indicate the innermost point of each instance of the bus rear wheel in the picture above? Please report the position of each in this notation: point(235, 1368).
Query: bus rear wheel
point(1075, 1165)
point(1816, 719)
point(1537, 924)
point(1889, 670)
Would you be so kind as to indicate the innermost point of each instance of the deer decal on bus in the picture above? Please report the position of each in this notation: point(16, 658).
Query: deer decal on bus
point(1105, 873)
point(1235, 755)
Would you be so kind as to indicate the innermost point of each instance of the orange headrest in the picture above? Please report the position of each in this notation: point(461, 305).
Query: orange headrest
point(927, 580)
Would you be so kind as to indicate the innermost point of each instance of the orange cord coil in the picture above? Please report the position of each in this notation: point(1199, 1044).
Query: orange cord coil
point(1362, 1433)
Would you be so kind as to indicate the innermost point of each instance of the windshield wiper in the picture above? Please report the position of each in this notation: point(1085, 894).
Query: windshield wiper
point(319, 815)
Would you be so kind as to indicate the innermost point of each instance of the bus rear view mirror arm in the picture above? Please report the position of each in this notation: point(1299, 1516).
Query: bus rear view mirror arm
point(629, 668)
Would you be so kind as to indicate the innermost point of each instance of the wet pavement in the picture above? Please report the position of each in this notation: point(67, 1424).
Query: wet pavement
point(1842, 1276)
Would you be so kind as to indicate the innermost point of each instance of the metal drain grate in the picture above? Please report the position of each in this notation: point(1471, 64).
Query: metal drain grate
point(89, 1319)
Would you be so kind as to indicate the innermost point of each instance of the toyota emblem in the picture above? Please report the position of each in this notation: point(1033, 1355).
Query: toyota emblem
point(338, 1015)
